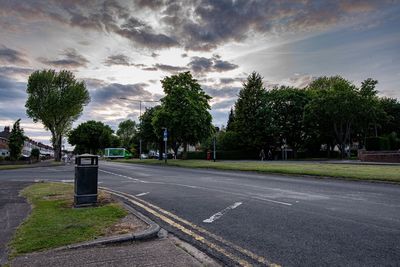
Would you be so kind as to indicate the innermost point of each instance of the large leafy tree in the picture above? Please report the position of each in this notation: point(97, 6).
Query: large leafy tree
point(287, 106)
point(56, 99)
point(252, 114)
point(391, 107)
point(372, 113)
point(334, 108)
point(184, 111)
point(91, 136)
point(127, 130)
point(16, 140)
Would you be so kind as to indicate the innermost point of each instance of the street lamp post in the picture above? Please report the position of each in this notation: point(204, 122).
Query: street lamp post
point(140, 120)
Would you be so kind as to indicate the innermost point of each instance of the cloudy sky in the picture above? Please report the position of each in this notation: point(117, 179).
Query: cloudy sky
point(124, 48)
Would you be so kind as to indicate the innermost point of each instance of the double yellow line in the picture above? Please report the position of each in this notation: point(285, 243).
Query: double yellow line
point(184, 225)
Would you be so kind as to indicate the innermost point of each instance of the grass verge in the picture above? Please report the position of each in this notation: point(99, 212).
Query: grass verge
point(21, 166)
point(351, 171)
point(54, 223)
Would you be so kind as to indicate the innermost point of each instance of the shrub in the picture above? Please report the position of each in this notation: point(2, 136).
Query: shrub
point(35, 153)
point(377, 143)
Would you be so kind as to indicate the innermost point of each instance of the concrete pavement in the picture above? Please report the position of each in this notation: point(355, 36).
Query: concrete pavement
point(159, 252)
point(13, 210)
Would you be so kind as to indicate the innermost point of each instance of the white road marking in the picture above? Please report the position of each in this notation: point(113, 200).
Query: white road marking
point(218, 215)
point(142, 194)
point(202, 188)
point(67, 181)
point(273, 201)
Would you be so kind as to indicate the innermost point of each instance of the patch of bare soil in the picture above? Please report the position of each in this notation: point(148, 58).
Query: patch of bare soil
point(128, 224)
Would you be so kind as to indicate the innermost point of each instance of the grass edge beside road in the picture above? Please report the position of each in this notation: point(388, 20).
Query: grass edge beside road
point(33, 165)
point(342, 171)
point(53, 222)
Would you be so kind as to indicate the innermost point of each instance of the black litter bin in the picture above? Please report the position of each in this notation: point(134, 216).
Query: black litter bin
point(86, 170)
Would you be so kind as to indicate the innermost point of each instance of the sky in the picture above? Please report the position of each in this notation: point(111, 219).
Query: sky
point(124, 48)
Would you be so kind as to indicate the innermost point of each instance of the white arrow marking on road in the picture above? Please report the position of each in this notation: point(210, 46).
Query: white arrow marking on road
point(218, 215)
point(142, 194)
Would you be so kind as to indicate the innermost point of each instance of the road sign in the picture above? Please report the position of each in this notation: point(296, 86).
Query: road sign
point(165, 135)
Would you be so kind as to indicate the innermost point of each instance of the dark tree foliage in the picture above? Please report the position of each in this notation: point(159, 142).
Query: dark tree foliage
point(16, 140)
point(91, 136)
point(150, 138)
point(35, 153)
point(252, 115)
point(391, 107)
point(231, 121)
point(127, 130)
point(287, 105)
point(184, 111)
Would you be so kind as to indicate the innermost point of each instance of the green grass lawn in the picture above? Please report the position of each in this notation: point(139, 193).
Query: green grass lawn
point(20, 166)
point(54, 223)
point(352, 171)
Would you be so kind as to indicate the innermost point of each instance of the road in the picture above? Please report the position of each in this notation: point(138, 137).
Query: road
point(248, 218)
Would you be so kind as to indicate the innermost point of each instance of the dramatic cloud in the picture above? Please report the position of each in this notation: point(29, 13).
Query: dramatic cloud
point(11, 56)
point(70, 59)
point(142, 34)
point(114, 91)
point(231, 80)
point(11, 90)
point(118, 59)
point(197, 25)
point(15, 72)
point(214, 64)
point(169, 68)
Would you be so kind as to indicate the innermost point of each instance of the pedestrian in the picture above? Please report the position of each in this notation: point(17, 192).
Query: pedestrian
point(269, 154)
point(262, 154)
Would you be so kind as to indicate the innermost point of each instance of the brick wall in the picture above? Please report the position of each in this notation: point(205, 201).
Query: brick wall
point(379, 156)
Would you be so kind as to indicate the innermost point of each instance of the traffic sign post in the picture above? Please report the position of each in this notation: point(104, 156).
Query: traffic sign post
point(165, 140)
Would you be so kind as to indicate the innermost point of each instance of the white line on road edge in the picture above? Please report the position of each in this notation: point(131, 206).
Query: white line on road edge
point(142, 194)
point(218, 215)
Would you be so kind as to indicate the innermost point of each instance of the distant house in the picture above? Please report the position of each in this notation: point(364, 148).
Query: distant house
point(4, 136)
point(29, 144)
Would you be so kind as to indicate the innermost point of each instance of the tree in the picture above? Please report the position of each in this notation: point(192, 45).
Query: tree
point(231, 121)
point(35, 153)
point(147, 132)
point(334, 108)
point(372, 112)
point(56, 100)
point(184, 111)
point(252, 114)
point(90, 136)
point(391, 107)
point(287, 106)
point(16, 141)
point(126, 132)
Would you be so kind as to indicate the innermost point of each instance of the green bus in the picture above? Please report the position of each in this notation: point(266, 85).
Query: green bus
point(117, 153)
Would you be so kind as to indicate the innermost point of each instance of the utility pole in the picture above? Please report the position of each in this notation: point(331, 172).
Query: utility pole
point(140, 120)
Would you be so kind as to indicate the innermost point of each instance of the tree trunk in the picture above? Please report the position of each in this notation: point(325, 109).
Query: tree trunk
point(57, 141)
point(184, 156)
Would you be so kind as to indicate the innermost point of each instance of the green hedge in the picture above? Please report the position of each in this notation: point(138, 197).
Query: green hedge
point(224, 155)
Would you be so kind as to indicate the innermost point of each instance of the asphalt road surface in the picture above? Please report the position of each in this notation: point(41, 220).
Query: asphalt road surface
point(246, 218)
